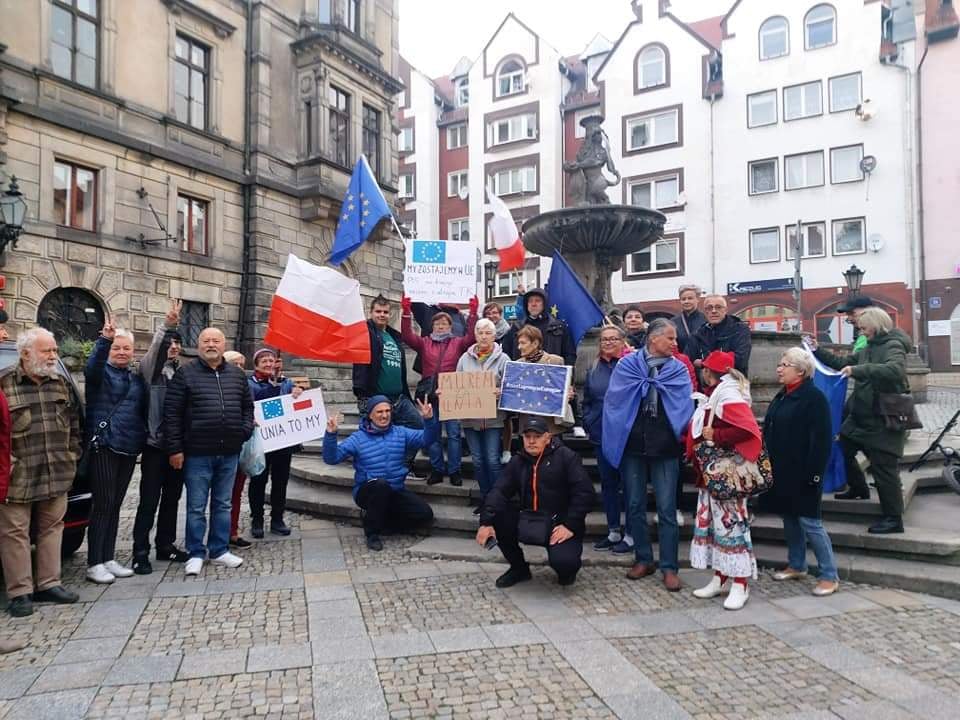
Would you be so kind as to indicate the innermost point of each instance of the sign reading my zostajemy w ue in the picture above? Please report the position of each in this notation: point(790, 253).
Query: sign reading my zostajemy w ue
point(437, 271)
point(535, 389)
point(284, 421)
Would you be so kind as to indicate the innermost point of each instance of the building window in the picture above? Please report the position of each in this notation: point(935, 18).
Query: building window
point(765, 245)
point(801, 101)
point(308, 125)
point(515, 180)
point(762, 109)
point(813, 237)
point(405, 139)
point(194, 319)
point(462, 92)
point(339, 104)
point(459, 229)
point(401, 99)
point(774, 38)
point(659, 194)
point(849, 236)
point(456, 181)
point(661, 257)
point(845, 164)
point(763, 176)
point(406, 189)
point(74, 40)
point(651, 68)
point(845, 92)
point(371, 138)
point(653, 130)
point(803, 171)
point(510, 79)
point(192, 224)
point(507, 283)
point(518, 127)
point(457, 136)
point(190, 82)
point(75, 196)
point(819, 27)
point(340, 12)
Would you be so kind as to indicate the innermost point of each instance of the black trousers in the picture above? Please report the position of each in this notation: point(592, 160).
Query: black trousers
point(278, 470)
point(389, 509)
point(160, 486)
point(110, 475)
point(885, 468)
point(565, 558)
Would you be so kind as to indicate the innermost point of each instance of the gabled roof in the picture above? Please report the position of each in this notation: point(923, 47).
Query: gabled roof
point(709, 30)
point(599, 45)
point(462, 67)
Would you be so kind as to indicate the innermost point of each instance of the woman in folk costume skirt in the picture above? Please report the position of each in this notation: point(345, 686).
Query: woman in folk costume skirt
point(721, 534)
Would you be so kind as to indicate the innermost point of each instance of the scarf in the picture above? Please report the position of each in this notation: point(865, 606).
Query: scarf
point(502, 327)
point(732, 405)
point(630, 383)
point(651, 404)
point(264, 378)
point(482, 356)
point(535, 357)
point(441, 337)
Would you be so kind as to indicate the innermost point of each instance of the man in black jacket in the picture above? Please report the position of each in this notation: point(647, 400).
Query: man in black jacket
point(208, 415)
point(723, 332)
point(689, 319)
point(546, 477)
point(557, 339)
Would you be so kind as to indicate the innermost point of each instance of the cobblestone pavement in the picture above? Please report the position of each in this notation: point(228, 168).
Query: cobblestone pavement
point(317, 626)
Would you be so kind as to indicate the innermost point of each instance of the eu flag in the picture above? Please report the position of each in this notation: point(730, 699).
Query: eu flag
point(272, 409)
point(571, 301)
point(363, 207)
point(429, 251)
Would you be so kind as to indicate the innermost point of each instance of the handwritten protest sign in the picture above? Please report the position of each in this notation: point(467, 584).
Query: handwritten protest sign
point(535, 389)
point(437, 271)
point(468, 395)
point(284, 422)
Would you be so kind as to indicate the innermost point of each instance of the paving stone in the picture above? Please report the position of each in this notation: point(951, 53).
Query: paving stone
point(713, 615)
point(233, 585)
point(346, 607)
point(14, 683)
point(340, 628)
point(334, 577)
point(63, 705)
point(606, 591)
point(330, 592)
point(46, 631)
point(876, 710)
point(109, 618)
point(286, 581)
point(615, 679)
point(645, 705)
point(349, 691)
point(457, 567)
point(211, 664)
point(133, 587)
point(181, 588)
point(566, 630)
point(421, 569)
point(839, 657)
point(78, 651)
point(931, 706)
point(360, 576)
point(888, 684)
point(581, 653)
point(665, 623)
point(71, 677)
point(891, 598)
point(458, 639)
point(148, 669)
point(388, 646)
point(797, 633)
point(263, 658)
point(394, 552)
point(263, 558)
point(513, 634)
point(808, 606)
point(326, 650)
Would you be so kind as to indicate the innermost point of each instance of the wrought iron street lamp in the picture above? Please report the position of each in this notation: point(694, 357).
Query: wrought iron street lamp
point(13, 210)
point(854, 277)
point(490, 268)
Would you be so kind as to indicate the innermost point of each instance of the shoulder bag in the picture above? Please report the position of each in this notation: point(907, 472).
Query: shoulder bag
point(899, 412)
point(728, 475)
point(535, 527)
point(83, 466)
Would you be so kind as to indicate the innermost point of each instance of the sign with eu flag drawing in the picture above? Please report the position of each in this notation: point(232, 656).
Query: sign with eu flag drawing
point(284, 422)
point(438, 271)
point(535, 389)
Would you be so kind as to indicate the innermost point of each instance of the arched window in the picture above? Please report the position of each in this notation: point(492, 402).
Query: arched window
point(510, 79)
point(71, 313)
point(774, 38)
point(652, 67)
point(820, 27)
point(462, 92)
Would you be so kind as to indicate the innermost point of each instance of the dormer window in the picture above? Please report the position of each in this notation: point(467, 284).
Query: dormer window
point(461, 92)
point(651, 68)
point(510, 79)
point(340, 12)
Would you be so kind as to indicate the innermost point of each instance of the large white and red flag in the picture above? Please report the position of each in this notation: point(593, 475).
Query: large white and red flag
point(317, 313)
point(506, 238)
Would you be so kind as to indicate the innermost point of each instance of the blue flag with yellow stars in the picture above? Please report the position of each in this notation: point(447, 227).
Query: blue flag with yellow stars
point(570, 300)
point(534, 389)
point(363, 207)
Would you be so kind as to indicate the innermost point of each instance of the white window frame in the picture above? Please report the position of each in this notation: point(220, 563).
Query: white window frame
point(515, 80)
point(456, 134)
point(528, 277)
point(650, 121)
point(766, 31)
point(456, 180)
point(654, 249)
point(851, 106)
point(405, 139)
point(406, 185)
point(751, 122)
point(461, 92)
point(460, 224)
point(805, 112)
point(806, 157)
point(654, 184)
point(807, 23)
point(863, 235)
point(857, 177)
point(751, 189)
point(525, 176)
point(645, 61)
point(519, 127)
point(757, 231)
point(805, 234)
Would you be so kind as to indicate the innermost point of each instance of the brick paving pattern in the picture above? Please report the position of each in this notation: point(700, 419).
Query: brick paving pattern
point(48, 628)
point(264, 558)
point(394, 551)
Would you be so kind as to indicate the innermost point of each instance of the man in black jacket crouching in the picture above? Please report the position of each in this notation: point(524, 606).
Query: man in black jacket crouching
point(548, 478)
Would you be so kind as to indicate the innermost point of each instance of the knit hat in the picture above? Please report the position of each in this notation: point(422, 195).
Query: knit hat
point(719, 362)
point(377, 400)
point(261, 352)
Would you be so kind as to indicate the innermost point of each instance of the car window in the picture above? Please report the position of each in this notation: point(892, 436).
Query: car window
point(9, 355)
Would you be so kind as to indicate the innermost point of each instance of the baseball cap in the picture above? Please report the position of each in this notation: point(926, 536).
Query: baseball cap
point(534, 424)
point(861, 301)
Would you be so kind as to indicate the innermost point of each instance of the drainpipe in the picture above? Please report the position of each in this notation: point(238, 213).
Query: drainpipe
point(714, 287)
point(247, 178)
point(922, 335)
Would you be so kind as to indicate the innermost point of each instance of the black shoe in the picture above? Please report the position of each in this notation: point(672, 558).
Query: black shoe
point(435, 478)
point(887, 525)
point(20, 606)
point(240, 543)
point(172, 553)
point(477, 509)
point(141, 565)
point(374, 543)
point(852, 495)
point(277, 527)
point(256, 529)
point(513, 576)
point(56, 594)
point(567, 579)
point(455, 479)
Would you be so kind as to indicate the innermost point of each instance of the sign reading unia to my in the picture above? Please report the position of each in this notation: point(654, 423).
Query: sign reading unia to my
point(437, 271)
point(284, 422)
point(468, 395)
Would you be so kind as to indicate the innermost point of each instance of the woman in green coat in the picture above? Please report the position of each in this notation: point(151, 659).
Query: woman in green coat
point(880, 367)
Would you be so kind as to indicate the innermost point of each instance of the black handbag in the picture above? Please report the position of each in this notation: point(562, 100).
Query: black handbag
point(535, 526)
point(899, 412)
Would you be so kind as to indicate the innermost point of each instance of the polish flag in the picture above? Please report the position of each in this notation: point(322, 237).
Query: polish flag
point(317, 313)
point(506, 238)
point(302, 404)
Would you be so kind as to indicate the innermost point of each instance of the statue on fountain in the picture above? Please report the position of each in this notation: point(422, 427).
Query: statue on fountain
point(588, 184)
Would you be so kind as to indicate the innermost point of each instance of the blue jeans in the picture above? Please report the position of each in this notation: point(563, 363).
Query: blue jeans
point(454, 448)
point(610, 484)
point(485, 449)
point(209, 477)
point(797, 531)
point(405, 414)
point(662, 473)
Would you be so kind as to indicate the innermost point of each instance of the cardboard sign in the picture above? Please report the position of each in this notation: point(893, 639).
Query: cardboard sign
point(437, 271)
point(468, 395)
point(535, 389)
point(284, 422)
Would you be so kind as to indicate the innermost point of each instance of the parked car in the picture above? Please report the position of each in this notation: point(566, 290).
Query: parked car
point(79, 498)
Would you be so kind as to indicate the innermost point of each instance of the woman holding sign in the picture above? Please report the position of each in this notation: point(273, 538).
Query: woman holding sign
point(483, 436)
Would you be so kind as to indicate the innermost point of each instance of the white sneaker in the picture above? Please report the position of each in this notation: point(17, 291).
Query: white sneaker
point(193, 566)
point(505, 457)
point(579, 432)
point(228, 559)
point(710, 590)
point(100, 575)
point(117, 570)
point(679, 518)
point(739, 594)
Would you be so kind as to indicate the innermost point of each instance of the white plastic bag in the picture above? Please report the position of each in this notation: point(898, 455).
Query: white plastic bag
point(253, 460)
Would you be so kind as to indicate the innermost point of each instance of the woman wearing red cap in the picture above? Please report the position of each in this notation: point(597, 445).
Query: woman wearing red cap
point(721, 533)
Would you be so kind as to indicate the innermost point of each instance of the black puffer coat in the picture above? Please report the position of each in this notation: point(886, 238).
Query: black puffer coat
point(207, 411)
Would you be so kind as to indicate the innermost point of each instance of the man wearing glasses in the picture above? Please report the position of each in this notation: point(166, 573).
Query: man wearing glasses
point(726, 333)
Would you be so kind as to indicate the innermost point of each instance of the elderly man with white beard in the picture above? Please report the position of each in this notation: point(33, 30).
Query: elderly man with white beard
point(45, 448)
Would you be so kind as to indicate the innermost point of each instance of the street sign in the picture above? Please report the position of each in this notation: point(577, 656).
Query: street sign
point(747, 287)
point(509, 312)
point(935, 302)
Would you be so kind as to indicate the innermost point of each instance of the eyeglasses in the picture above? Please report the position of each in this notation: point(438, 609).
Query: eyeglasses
point(610, 340)
point(714, 307)
point(785, 365)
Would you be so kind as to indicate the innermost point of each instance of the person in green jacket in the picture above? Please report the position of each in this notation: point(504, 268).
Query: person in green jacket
point(880, 367)
point(853, 308)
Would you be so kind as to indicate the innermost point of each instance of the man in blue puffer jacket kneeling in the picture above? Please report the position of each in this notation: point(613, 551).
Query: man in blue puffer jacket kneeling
point(379, 450)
